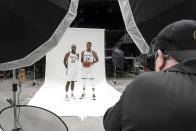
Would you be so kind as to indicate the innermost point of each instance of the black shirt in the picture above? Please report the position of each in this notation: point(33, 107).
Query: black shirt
point(157, 101)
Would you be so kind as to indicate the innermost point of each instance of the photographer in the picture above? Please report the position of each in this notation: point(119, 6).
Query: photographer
point(163, 100)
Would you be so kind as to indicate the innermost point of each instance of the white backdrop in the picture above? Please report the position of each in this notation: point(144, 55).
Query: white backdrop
point(52, 93)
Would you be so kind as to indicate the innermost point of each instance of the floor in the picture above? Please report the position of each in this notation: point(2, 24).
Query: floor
point(73, 123)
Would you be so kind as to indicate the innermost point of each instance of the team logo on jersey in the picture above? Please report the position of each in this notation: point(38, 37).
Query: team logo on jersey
point(194, 35)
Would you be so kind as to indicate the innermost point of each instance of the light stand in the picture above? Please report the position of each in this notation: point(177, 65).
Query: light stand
point(118, 61)
point(34, 81)
point(14, 88)
point(114, 80)
point(145, 61)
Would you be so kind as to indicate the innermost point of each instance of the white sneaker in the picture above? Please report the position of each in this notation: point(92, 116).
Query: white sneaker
point(93, 97)
point(72, 96)
point(83, 96)
point(66, 98)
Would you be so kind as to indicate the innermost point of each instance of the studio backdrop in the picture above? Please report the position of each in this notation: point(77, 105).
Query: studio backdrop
point(52, 94)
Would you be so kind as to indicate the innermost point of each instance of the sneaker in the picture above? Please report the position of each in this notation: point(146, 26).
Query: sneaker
point(66, 98)
point(93, 97)
point(72, 96)
point(83, 96)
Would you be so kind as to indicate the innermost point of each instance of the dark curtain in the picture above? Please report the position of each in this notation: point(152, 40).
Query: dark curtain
point(147, 9)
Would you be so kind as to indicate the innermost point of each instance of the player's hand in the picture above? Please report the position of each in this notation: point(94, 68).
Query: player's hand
point(86, 64)
point(66, 66)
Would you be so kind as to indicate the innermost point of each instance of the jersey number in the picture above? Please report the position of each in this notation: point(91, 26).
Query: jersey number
point(73, 60)
point(87, 59)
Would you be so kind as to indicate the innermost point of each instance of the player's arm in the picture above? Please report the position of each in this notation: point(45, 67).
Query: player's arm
point(78, 56)
point(96, 57)
point(82, 56)
point(66, 59)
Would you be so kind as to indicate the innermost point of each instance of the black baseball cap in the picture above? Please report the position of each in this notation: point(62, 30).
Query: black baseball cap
point(178, 40)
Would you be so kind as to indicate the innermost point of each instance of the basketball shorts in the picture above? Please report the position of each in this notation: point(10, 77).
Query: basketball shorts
point(72, 74)
point(88, 73)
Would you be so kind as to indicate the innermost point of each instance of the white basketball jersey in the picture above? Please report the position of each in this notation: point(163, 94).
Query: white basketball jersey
point(88, 72)
point(72, 59)
point(88, 56)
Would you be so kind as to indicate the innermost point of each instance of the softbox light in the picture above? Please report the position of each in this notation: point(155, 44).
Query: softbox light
point(31, 28)
point(153, 15)
point(31, 119)
point(118, 58)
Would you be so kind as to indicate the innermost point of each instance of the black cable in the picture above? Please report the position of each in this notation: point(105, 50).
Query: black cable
point(19, 107)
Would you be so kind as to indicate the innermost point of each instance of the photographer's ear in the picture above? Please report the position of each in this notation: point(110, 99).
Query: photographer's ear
point(159, 60)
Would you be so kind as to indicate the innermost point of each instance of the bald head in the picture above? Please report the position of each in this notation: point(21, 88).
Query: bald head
point(73, 48)
point(73, 45)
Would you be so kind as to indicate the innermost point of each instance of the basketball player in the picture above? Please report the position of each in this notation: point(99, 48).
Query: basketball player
point(71, 60)
point(88, 59)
